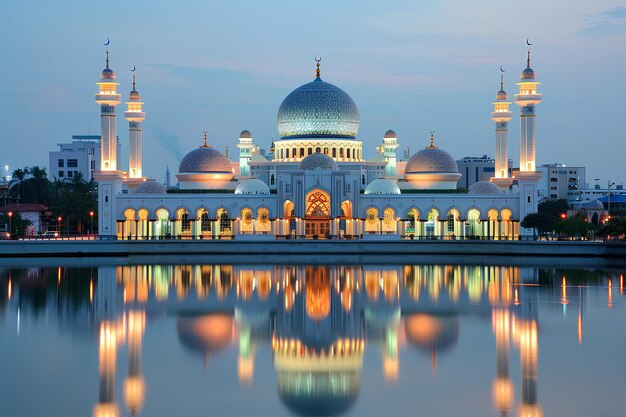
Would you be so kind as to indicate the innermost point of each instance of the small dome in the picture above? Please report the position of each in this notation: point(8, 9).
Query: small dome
point(205, 159)
point(431, 160)
point(594, 205)
point(134, 95)
point(245, 134)
point(107, 75)
point(502, 95)
point(318, 109)
point(252, 186)
point(150, 187)
point(484, 187)
point(382, 186)
point(318, 161)
point(390, 134)
point(528, 74)
point(205, 334)
point(432, 333)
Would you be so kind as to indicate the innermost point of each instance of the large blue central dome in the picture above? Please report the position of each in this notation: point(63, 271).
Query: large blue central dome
point(318, 109)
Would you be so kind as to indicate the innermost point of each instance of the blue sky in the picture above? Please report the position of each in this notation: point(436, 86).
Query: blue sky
point(225, 66)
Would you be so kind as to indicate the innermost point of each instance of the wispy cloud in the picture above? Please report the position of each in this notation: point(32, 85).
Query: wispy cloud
point(610, 22)
point(204, 74)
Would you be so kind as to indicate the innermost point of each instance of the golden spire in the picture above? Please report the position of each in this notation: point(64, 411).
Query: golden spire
point(317, 64)
point(432, 140)
point(206, 145)
point(107, 58)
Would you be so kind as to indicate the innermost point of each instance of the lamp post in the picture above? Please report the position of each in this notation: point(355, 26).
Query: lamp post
point(91, 222)
point(10, 224)
point(59, 219)
point(609, 198)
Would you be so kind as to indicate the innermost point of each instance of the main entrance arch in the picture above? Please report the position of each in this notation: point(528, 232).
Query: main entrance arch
point(317, 215)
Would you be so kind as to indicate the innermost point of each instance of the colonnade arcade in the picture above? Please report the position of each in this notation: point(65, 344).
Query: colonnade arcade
point(318, 223)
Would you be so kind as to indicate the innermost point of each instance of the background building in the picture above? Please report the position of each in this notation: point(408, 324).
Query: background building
point(477, 168)
point(559, 180)
point(81, 155)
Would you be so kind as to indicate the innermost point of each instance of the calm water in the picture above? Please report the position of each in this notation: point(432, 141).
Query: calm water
point(233, 340)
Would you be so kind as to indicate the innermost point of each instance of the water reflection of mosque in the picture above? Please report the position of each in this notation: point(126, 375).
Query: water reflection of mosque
point(318, 321)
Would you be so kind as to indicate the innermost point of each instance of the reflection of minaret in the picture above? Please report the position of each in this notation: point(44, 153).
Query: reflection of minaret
point(134, 386)
point(107, 349)
point(528, 342)
point(502, 388)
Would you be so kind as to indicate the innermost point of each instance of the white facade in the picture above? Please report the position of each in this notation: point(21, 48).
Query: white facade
point(559, 181)
point(315, 187)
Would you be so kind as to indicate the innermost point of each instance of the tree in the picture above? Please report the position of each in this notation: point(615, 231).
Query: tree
point(574, 227)
point(541, 221)
point(17, 223)
point(614, 228)
point(554, 207)
point(76, 199)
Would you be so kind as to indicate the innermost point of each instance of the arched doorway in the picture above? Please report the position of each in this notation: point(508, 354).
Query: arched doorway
point(317, 215)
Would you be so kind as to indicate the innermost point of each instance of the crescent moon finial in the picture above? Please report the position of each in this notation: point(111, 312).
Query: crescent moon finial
point(107, 42)
point(317, 64)
point(134, 68)
point(502, 69)
point(528, 42)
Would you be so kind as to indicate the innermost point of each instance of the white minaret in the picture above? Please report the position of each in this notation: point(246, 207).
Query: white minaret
point(245, 152)
point(135, 116)
point(502, 115)
point(389, 146)
point(109, 178)
point(528, 176)
point(108, 99)
point(527, 99)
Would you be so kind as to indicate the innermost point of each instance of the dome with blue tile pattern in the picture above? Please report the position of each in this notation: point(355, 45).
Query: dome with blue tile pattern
point(318, 109)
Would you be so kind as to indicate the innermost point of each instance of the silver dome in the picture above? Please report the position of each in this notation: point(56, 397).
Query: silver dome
point(245, 134)
point(431, 160)
point(382, 186)
point(252, 186)
point(484, 187)
point(318, 109)
point(205, 159)
point(318, 161)
point(150, 187)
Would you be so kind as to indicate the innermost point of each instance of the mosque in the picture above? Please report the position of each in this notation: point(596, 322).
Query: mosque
point(316, 184)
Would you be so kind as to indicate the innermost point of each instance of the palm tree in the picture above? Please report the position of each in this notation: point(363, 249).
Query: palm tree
point(76, 199)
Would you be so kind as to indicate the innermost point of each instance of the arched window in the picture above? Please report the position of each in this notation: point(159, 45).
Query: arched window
point(334, 152)
point(318, 150)
point(205, 222)
point(289, 209)
point(222, 215)
point(301, 152)
point(310, 151)
point(372, 215)
point(341, 152)
point(287, 153)
point(325, 151)
point(185, 223)
point(348, 153)
point(388, 215)
point(363, 179)
point(451, 221)
point(272, 179)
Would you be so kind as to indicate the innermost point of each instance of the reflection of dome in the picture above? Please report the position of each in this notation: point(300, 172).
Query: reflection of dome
point(245, 134)
point(205, 334)
point(431, 160)
point(318, 109)
point(318, 161)
point(432, 333)
point(252, 186)
point(390, 134)
point(484, 187)
point(150, 187)
point(205, 159)
point(382, 186)
point(319, 393)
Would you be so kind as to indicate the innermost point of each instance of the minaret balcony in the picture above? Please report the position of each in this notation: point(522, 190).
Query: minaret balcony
point(527, 99)
point(109, 99)
point(501, 116)
point(135, 116)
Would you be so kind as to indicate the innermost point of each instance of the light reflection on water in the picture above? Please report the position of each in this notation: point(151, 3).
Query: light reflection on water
point(161, 340)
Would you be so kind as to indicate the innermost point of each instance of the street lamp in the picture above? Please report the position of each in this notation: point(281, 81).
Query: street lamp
point(609, 197)
point(59, 219)
point(10, 223)
point(91, 222)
